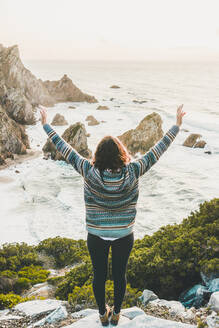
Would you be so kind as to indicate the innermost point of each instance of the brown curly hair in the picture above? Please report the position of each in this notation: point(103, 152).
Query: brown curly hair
point(110, 154)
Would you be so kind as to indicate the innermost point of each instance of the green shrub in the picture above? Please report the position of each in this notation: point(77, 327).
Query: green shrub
point(65, 251)
point(170, 261)
point(35, 274)
point(10, 300)
point(84, 295)
point(21, 284)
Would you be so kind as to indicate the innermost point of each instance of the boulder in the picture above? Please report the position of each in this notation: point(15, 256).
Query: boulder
point(214, 301)
point(75, 135)
point(13, 138)
point(114, 86)
point(175, 307)
point(213, 320)
point(144, 136)
point(147, 295)
point(59, 120)
point(102, 108)
point(64, 90)
point(192, 141)
point(58, 314)
point(38, 307)
point(92, 120)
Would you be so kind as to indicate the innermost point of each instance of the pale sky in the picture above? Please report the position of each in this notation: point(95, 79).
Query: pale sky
point(111, 29)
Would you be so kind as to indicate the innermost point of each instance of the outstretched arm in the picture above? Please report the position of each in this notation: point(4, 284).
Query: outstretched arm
point(80, 164)
point(143, 164)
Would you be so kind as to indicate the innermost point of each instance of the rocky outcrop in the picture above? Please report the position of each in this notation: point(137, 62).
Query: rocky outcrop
point(193, 140)
point(144, 136)
point(75, 135)
point(64, 90)
point(21, 91)
point(59, 120)
point(102, 108)
point(92, 120)
point(13, 139)
point(114, 86)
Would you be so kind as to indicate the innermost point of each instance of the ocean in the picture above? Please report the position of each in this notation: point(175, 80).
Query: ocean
point(46, 198)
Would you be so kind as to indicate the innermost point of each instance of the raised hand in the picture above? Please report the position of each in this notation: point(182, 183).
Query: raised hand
point(179, 115)
point(43, 115)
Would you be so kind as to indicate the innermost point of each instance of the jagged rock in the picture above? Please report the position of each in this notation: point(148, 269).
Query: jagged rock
point(59, 120)
point(132, 312)
point(36, 307)
point(213, 320)
point(192, 141)
point(147, 295)
point(174, 307)
point(102, 108)
point(92, 120)
point(200, 144)
point(75, 135)
point(71, 107)
point(139, 101)
point(64, 90)
point(41, 290)
point(83, 313)
point(144, 136)
point(114, 86)
point(13, 139)
point(57, 315)
point(21, 91)
point(214, 301)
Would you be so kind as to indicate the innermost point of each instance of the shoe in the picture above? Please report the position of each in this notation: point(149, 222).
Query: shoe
point(114, 317)
point(104, 319)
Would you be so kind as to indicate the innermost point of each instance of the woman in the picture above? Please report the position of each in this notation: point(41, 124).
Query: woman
point(110, 194)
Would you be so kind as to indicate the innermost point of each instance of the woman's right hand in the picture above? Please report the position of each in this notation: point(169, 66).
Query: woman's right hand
point(43, 115)
point(179, 115)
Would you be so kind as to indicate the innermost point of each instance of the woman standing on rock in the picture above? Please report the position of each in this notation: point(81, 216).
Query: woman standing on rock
point(111, 193)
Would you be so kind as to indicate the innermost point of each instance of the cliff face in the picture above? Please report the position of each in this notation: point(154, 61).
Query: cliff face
point(21, 91)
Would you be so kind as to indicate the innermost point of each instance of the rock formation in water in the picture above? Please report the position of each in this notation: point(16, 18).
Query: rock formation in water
point(59, 120)
point(193, 140)
point(75, 135)
point(144, 136)
point(92, 120)
point(102, 108)
point(21, 91)
point(13, 139)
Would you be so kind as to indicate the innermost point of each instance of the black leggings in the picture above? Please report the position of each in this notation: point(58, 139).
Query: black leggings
point(99, 250)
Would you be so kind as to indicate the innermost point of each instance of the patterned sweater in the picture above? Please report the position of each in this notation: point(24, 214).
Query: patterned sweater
point(111, 198)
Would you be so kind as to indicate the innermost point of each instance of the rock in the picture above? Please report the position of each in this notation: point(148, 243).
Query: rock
point(17, 171)
point(214, 285)
point(213, 320)
point(139, 101)
point(87, 134)
point(175, 307)
point(207, 150)
point(92, 120)
point(71, 107)
point(93, 321)
point(111, 99)
point(147, 295)
point(83, 313)
point(200, 144)
point(102, 108)
point(59, 120)
point(214, 301)
point(41, 290)
point(57, 315)
point(144, 136)
point(13, 138)
point(147, 321)
point(38, 307)
point(21, 92)
point(114, 86)
point(10, 317)
point(75, 135)
point(191, 141)
point(132, 312)
point(64, 90)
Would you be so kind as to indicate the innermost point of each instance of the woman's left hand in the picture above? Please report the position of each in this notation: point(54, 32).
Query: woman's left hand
point(43, 115)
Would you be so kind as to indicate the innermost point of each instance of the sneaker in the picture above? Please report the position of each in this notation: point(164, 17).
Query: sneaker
point(104, 319)
point(114, 318)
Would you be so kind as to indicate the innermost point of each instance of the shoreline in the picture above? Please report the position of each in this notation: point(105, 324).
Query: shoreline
point(19, 159)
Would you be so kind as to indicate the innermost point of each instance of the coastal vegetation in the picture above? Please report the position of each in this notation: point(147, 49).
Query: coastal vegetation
point(168, 262)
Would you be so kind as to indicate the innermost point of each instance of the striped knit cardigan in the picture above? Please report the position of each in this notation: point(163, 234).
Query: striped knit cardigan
point(110, 199)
